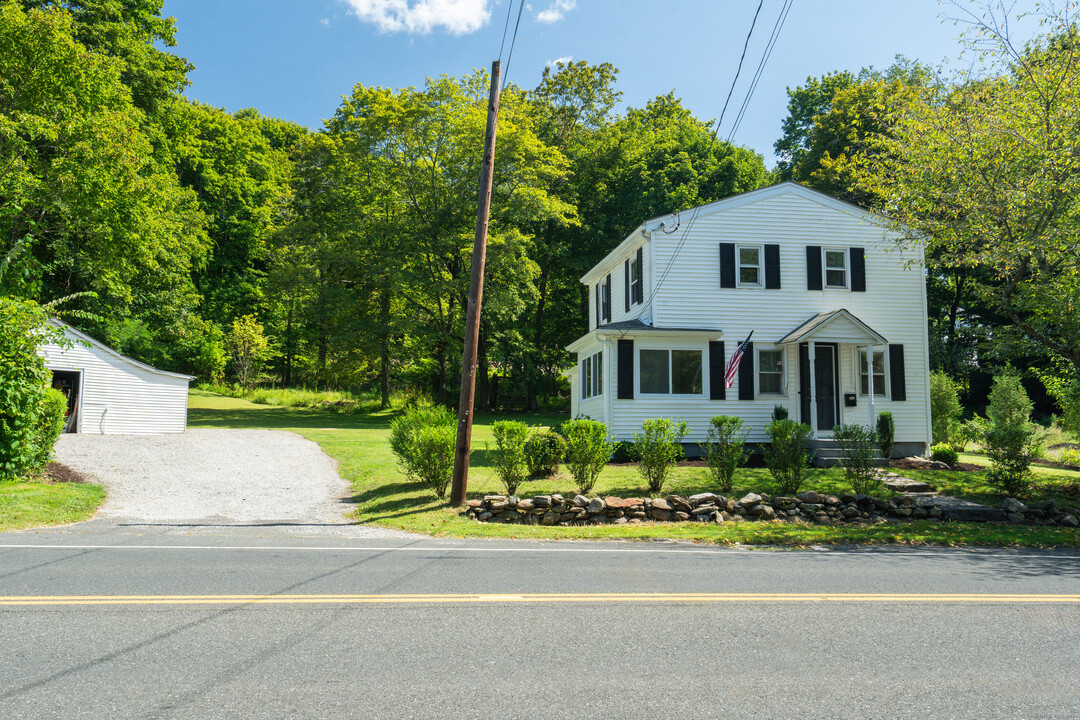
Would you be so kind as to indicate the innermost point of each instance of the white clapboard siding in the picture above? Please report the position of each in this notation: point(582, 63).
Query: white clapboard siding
point(119, 395)
point(792, 217)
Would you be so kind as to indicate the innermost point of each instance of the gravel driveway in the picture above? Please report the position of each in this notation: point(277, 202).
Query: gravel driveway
point(237, 476)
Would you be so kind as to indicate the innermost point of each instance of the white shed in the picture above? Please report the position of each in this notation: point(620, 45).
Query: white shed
point(110, 394)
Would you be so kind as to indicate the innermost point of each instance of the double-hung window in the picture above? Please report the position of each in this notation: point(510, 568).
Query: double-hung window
point(836, 268)
point(592, 376)
point(749, 258)
point(771, 371)
point(670, 372)
point(878, 373)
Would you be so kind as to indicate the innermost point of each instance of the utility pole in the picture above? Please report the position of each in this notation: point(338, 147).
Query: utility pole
point(476, 291)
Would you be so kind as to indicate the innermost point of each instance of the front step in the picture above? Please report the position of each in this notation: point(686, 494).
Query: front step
point(827, 453)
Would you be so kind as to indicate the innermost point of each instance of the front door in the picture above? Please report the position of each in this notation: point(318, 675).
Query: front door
point(826, 382)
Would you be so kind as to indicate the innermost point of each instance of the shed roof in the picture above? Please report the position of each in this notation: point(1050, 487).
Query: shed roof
point(108, 350)
point(829, 326)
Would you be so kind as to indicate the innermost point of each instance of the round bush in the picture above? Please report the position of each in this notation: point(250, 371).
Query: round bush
point(543, 453)
point(943, 452)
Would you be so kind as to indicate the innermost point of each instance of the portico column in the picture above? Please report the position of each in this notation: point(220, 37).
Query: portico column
point(813, 382)
point(869, 355)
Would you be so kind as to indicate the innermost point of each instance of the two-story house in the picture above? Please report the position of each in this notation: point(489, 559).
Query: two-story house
point(836, 305)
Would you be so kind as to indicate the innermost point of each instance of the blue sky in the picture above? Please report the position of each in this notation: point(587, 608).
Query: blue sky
point(294, 59)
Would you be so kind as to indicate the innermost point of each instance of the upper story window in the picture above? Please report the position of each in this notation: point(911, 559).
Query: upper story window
point(836, 268)
point(592, 376)
point(674, 372)
point(771, 371)
point(749, 258)
point(634, 280)
point(878, 373)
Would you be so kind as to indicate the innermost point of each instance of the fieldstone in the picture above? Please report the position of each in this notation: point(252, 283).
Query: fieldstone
point(821, 518)
point(1044, 521)
point(847, 498)
point(1070, 521)
point(864, 501)
point(559, 507)
point(704, 509)
point(542, 501)
point(622, 503)
point(811, 507)
point(763, 511)
point(599, 519)
point(1049, 507)
point(581, 501)
point(1015, 517)
point(596, 505)
point(619, 521)
point(784, 502)
point(923, 502)
point(513, 500)
point(902, 512)
point(616, 513)
point(556, 498)
point(499, 506)
point(681, 516)
point(919, 513)
point(809, 496)
point(831, 500)
point(935, 512)
point(717, 517)
point(472, 504)
point(902, 501)
point(660, 504)
point(899, 483)
point(967, 511)
point(525, 504)
point(1012, 505)
point(638, 515)
point(851, 512)
point(703, 498)
point(680, 503)
point(550, 518)
point(494, 498)
point(749, 500)
point(661, 515)
point(484, 515)
point(731, 504)
point(568, 517)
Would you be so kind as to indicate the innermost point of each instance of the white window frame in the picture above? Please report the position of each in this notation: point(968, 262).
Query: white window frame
point(760, 267)
point(671, 370)
point(859, 355)
point(825, 268)
point(783, 371)
point(592, 375)
point(635, 267)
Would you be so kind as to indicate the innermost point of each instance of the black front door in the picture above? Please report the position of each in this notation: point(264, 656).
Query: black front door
point(825, 386)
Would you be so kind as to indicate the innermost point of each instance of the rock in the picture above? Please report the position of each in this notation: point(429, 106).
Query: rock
point(542, 501)
point(581, 501)
point(967, 511)
point(809, 496)
point(1048, 507)
point(704, 509)
point(784, 502)
point(620, 521)
point(638, 515)
point(550, 518)
point(902, 501)
point(923, 502)
point(847, 499)
point(1012, 505)
point(851, 512)
point(902, 512)
point(622, 503)
point(821, 518)
point(499, 506)
point(681, 516)
point(765, 512)
point(830, 500)
point(556, 498)
point(1015, 517)
point(596, 505)
point(749, 500)
point(660, 504)
point(616, 513)
point(513, 500)
point(661, 515)
point(678, 502)
point(864, 501)
point(484, 515)
point(935, 512)
point(703, 498)
point(559, 507)
point(474, 503)
point(1070, 521)
point(899, 483)
point(919, 513)
point(730, 505)
point(525, 504)
point(811, 507)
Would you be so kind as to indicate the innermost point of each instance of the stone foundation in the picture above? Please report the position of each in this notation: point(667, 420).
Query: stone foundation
point(809, 507)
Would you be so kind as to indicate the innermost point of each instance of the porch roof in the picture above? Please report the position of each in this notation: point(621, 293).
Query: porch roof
point(838, 326)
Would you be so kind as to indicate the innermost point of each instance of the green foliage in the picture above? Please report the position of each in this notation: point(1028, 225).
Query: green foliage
point(858, 446)
point(544, 450)
point(1069, 456)
point(657, 448)
point(622, 452)
point(508, 456)
point(588, 449)
point(943, 452)
point(944, 406)
point(724, 450)
point(423, 440)
point(786, 454)
point(249, 349)
point(886, 433)
point(779, 412)
point(50, 423)
point(1011, 440)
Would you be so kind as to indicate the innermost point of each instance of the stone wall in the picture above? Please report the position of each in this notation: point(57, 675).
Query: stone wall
point(807, 506)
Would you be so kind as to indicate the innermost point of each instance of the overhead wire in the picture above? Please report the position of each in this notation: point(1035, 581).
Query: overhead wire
point(777, 27)
point(513, 41)
point(506, 25)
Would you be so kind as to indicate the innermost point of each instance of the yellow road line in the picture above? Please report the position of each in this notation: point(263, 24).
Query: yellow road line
point(37, 600)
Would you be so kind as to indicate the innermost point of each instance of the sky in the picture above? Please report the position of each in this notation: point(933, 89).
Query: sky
point(295, 59)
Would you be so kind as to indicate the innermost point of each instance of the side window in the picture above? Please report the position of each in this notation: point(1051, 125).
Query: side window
point(836, 268)
point(771, 371)
point(878, 373)
point(592, 375)
point(749, 258)
point(636, 284)
point(675, 372)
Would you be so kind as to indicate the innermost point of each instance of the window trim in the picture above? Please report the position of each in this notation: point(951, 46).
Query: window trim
point(637, 267)
point(884, 370)
point(825, 268)
point(592, 375)
point(704, 391)
point(783, 371)
point(760, 267)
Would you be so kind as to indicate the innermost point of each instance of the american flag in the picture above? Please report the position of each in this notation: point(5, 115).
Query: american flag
point(733, 364)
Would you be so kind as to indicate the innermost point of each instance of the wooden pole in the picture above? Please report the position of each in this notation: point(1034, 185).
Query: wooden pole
point(476, 292)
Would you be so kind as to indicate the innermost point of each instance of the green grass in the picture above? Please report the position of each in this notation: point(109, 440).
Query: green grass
point(337, 401)
point(383, 497)
point(36, 503)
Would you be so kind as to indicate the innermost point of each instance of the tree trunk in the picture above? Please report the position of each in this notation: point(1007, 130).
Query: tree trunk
point(384, 346)
point(531, 402)
point(954, 309)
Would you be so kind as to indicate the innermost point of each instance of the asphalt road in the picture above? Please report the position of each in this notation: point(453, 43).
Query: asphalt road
point(101, 621)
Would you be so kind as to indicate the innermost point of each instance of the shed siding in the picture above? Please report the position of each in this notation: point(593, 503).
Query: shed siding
point(118, 397)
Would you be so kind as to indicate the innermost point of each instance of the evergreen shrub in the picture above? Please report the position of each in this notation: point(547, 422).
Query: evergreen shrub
point(657, 448)
point(724, 450)
point(858, 444)
point(423, 440)
point(544, 451)
point(786, 454)
point(508, 456)
point(588, 449)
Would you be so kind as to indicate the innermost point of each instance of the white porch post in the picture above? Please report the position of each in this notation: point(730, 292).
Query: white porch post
point(869, 355)
point(813, 381)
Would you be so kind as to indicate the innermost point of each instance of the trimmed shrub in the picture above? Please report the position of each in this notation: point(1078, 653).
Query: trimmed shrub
point(858, 444)
point(423, 440)
point(1012, 441)
point(944, 406)
point(724, 450)
point(657, 448)
point(886, 434)
point(588, 449)
point(943, 452)
point(779, 412)
point(786, 455)
point(508, 456)
point(622, 452)
point(544, 450)
point(50, 423)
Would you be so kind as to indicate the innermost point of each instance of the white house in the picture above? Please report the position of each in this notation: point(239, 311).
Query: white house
point(835, 304)
point(109, 393)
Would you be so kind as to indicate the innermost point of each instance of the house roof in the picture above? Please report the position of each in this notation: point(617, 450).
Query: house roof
point(108, 350)
point(838, 325)
point(635, 326)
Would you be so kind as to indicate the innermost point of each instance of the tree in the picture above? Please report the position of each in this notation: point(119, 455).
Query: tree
point(249, 348)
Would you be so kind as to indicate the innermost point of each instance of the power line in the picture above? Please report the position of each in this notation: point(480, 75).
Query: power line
point(739, 69)
point(509, 9)
point(769, 46)
point(510, 55)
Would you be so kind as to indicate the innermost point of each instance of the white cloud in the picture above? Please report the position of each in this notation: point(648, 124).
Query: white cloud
point(555, 13)
point(458, 17)
point(325, 21)
point(565, 60)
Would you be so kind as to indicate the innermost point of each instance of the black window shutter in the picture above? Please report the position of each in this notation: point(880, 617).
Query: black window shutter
point(717, 391)
point(626, 370)
point(607, 299)
point(813, 267)
point(896, 372)
point(727, 265)
point(626, 285)
point(596, 302)
point(772, 267)
point(639, 286)
point(858, 270)
point(746, 374)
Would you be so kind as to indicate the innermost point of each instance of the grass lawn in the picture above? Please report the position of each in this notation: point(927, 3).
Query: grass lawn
point(35, 503)
point(360, 445)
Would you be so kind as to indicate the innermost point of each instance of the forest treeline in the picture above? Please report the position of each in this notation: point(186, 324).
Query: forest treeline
point(348, 248)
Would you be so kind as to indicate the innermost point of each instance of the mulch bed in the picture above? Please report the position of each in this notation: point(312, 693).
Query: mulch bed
point(55, 472)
